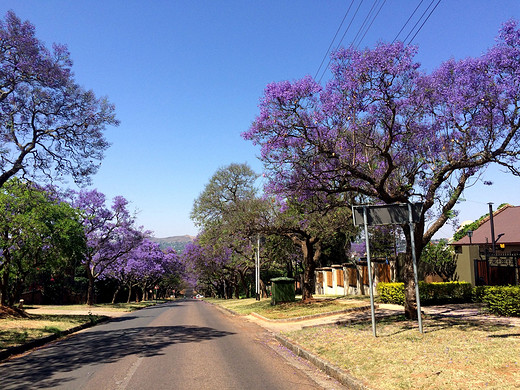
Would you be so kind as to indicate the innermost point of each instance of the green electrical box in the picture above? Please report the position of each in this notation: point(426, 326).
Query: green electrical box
point(282, 290)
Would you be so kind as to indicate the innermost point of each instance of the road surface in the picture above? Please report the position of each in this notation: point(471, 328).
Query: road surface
point(179, 345)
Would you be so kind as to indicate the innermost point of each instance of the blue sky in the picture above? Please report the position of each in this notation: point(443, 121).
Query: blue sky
point(186, 77)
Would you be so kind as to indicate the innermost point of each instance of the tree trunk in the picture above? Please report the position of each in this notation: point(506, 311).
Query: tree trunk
point(311, 254)
point(263, 289)
point(129, 292)
point(236, 285)
point(4, 287)
point(410, 301)
point(91, 287)
point(115, 294)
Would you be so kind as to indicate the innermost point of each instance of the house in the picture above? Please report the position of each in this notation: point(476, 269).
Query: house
point(486, 260)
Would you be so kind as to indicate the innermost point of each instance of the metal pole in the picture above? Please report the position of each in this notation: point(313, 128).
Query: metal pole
point(418, 299)
point(257, 268)
point(370, 287)
point(492, 223)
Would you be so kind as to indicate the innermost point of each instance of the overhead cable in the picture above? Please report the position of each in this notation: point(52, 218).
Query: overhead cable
point(327, 53)
point(373, 19)
point(420, 28)
point(341, 40)
point(408, 21)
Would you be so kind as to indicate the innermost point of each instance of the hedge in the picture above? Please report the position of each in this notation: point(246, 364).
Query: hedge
point(429, 293)
point(501, 300)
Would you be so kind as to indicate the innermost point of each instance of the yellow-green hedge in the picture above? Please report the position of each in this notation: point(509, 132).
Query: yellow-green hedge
point(501, 300)
point(429, 293)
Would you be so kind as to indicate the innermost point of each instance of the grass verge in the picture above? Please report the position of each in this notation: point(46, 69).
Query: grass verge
point(286, 310)
point(54, 320)
point(449, 355)
point(18, 331)
point(106, 307)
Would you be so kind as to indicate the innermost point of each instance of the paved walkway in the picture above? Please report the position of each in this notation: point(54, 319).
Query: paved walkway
point(469, 311)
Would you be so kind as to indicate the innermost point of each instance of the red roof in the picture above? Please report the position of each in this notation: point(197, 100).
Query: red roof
point(507, 223)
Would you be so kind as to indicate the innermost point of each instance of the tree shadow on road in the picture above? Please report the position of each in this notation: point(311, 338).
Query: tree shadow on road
point(96, 347)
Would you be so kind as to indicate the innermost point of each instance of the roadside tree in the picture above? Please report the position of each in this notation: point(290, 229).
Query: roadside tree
point(49, 125)
point(441, 257)
point(110, 233)
point(383, 129)
point(227, 211)
point(39, 235)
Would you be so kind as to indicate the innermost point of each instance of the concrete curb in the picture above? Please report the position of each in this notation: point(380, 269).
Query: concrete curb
point(10, 351)
point(313, 316)
point(335, 372)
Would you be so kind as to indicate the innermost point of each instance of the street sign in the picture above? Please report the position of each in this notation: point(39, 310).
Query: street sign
point(389, 214)
point(386, 214)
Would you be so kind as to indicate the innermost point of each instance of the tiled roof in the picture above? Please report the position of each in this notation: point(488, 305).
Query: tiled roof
point(507, 223)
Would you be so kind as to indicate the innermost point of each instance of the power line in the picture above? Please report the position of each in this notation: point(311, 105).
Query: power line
point(418, 21)
point(408, 21)
point(420, 28)
point(373, 19)
point(364, 22)
point(341, 40)
point(327, 53)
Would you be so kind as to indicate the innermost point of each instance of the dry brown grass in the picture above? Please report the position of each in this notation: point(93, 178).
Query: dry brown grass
point(449, 355)
point(286, 310)
point(15, 331)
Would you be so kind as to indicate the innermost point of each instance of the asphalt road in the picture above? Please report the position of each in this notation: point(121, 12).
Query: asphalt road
point(179, 345)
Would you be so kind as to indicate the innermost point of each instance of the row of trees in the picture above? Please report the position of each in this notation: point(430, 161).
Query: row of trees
point(47, 236)
point(295, 236)
point(380, 131)
point(50, 129)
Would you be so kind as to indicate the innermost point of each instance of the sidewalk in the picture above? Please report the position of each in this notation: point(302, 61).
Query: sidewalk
point(467, 311)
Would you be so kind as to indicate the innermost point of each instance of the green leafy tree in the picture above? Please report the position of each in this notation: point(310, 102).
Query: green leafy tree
point(314, 226)
point(228, 212)
point(441, 257)
point(38, 234)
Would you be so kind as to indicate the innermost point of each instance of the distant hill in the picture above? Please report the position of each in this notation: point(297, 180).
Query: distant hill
point(176, 242)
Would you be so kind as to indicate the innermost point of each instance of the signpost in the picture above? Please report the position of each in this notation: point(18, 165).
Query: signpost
point(257, 268)
point(391, 214)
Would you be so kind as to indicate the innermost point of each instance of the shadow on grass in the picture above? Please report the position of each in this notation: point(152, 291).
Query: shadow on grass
point(397, 324)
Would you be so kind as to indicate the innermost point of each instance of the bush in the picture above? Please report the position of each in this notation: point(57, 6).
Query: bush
point(446, 292)
point(391, 293)
point(430, 293)
point(502, 300)
point(479, 292)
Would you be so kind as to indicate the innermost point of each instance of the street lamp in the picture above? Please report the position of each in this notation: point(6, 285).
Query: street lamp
point(470, 234)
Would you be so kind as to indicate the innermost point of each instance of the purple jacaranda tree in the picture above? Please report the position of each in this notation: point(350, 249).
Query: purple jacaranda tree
point(49, 125)
point(110, 233)
point(143, 266)
point(384, 130)
point(206, 268)
point(148, 266)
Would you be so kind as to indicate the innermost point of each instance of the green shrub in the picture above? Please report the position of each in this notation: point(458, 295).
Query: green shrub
point(391, 293)
point(430, 293)
point(445, 292)
point(503, 300)
point(479, 292)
